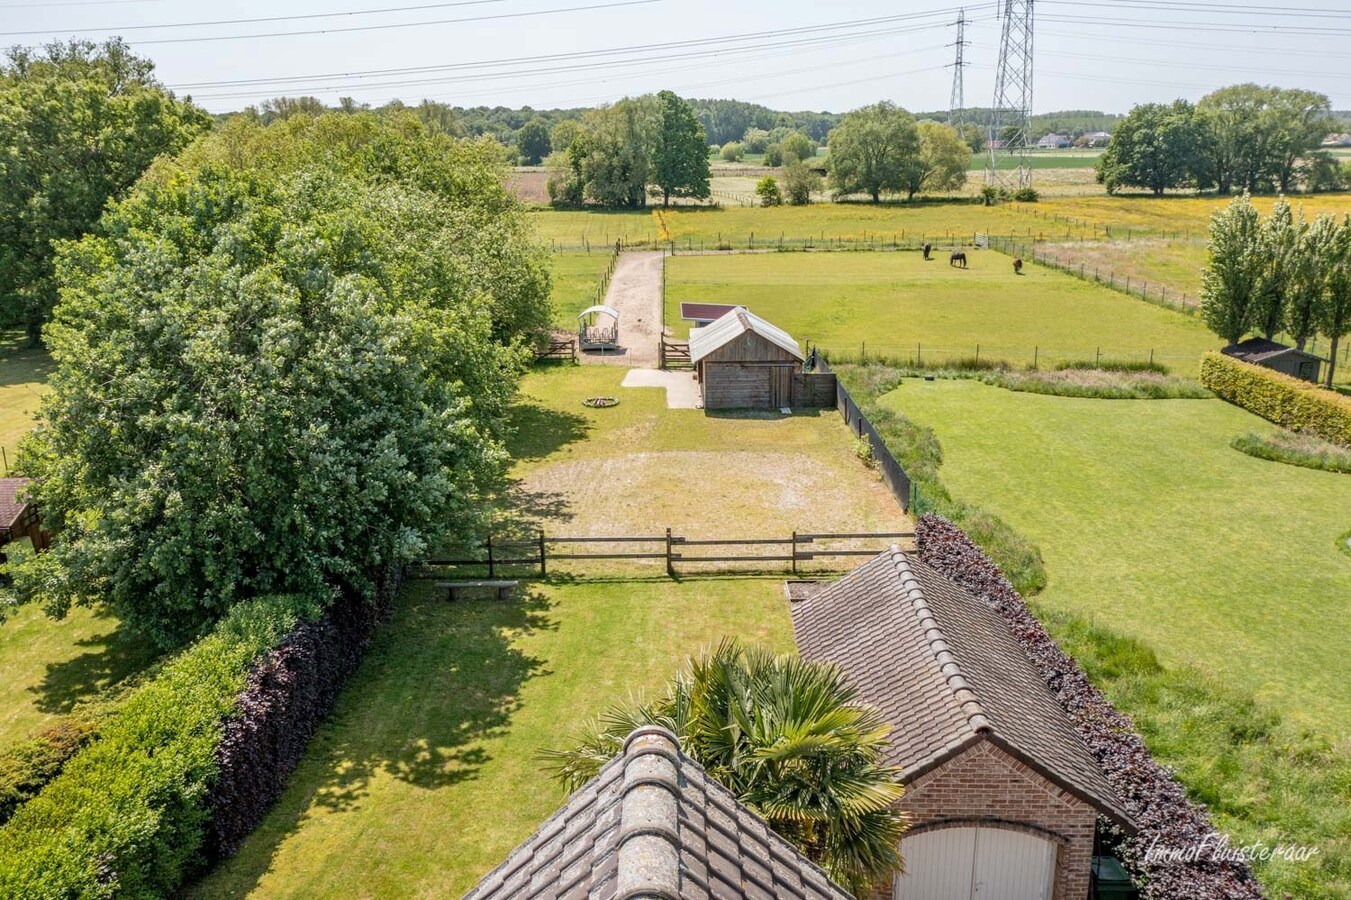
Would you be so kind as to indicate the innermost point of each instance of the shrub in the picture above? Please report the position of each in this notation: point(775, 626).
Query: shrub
point(767, 189)
point(1289, 402)
point(128, 815)
point(1157, 801)
point(733, 151)
point(1295, 449)
point(799, 182)
point(1114, 365)
point(1100, 384)
point(1026, 195)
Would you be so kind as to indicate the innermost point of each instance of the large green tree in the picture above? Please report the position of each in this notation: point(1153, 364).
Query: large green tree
point(1281, 243)
point(1158, 147)
point(79, 123)
point(1301, 119)
point(1333, 310)
point(287, 373)
point(872, 151)
point(942, 161)
point(679, 151)
point(1232, 278)
point(1308, 280)
point(790, 739)
point(533, 142)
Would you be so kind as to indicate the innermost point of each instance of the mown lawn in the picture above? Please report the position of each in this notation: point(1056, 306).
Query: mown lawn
point(897, 304)
point(1151, 525)
point(23, 375)
point(426, 774)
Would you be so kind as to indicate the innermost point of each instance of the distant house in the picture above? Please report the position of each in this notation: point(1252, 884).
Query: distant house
point(1094, 139)
point(1054, 142)
point(1337, 140)
point(744, 362)
point(653, 824)
point(1291, 361)
point(1001, 791)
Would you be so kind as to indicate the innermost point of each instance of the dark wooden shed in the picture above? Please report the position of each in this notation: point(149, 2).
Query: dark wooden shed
point(744, 362)
point(18, 517)
point(1289, 360)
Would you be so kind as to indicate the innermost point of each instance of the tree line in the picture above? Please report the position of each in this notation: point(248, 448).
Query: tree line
point(1240, 138)
point(1278, 274)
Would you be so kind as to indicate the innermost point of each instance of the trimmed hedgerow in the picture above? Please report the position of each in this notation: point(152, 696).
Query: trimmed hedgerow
point(1277, 397)
point(1158, 803)
point(128, 816)
point(288, 694)
point(26, 767)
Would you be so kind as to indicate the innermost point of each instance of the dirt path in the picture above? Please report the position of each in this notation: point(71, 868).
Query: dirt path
point(635, 290)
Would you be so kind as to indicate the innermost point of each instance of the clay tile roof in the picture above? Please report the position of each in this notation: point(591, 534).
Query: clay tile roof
point(945, 671)
point(12, 502)
point(653, 825)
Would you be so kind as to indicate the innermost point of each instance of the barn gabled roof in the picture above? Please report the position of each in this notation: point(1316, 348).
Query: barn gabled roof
point(945, 671)
point(733, 325)
point(1258, 350)
point(654, 824)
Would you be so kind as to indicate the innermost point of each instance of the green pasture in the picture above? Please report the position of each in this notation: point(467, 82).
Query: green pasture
point(1154, 527)
point(897, 304)
point(576, 275)
point(23, 376)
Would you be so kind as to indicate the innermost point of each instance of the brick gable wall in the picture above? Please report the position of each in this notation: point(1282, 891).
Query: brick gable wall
point(986, 786)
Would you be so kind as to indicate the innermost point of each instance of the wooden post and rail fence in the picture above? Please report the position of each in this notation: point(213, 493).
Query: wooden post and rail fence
point(540, 550)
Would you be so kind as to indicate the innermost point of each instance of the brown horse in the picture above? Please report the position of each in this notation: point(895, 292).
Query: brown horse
point(957, 259)
point(1018, 267)
point(928, 248)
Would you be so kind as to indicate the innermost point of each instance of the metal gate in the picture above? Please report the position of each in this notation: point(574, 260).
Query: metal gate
point(972, 863)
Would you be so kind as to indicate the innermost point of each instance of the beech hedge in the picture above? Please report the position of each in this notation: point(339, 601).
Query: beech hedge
point(189, 763)
point(1157, 802)
point(1289, 402)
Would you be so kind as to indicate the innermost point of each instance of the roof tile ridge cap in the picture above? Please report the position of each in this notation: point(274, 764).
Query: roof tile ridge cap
point(648, 849)
point(938, 644)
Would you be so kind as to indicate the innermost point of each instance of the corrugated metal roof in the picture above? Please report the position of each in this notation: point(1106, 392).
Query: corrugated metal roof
point(704, 341)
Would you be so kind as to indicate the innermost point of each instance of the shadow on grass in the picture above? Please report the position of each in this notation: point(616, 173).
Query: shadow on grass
point(110, 659)
point(767, 414)
point(439, 680)
point(538, 430)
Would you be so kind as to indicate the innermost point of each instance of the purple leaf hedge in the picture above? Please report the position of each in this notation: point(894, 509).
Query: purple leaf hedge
point(1158, 803)
point(289, 692)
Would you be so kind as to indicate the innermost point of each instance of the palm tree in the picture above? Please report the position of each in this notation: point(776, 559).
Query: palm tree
point(789, 739)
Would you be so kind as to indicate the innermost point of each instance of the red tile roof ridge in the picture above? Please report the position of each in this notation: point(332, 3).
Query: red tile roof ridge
point(938, 644)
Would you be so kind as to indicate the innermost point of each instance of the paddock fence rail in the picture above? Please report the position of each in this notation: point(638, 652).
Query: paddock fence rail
point(504, 555)
point(893, 473)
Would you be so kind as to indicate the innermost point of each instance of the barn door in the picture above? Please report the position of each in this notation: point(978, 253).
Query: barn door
point(780, 386)
point(976, 864)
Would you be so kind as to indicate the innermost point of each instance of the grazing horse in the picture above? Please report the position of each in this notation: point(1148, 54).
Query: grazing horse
point(928, 248)
point(957, 259)
point(1018, 266)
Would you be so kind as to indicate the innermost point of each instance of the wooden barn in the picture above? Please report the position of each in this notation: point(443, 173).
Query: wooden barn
point(18, 517)
point(743, 362)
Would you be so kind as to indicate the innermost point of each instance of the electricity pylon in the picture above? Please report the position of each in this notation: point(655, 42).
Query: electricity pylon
point(1010, 119)
point(957, 103)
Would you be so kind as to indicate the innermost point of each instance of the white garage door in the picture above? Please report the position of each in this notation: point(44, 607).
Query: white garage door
point(976, 864)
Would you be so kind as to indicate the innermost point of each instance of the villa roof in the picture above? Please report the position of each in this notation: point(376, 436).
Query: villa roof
point(733, 325)
point(653, 824)
point(946, 672)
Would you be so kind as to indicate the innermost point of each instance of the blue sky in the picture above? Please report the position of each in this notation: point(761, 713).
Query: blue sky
point(1092, 54)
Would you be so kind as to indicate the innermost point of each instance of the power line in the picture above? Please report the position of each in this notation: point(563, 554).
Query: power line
point(387, 26)
point(855, 24)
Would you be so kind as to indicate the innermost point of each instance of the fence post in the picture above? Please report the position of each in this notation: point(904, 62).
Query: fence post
point(670, 567)
point(794, 551)
point(1036, 354)
point(1097, 357)
point(490, 556)
point(978, 354)
point(1151, 356)
point(543, 558)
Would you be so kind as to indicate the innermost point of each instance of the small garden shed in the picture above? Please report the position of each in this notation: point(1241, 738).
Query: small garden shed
point(18, 517)
point(1290, 360)
point(1002, 793)
point(744, 362)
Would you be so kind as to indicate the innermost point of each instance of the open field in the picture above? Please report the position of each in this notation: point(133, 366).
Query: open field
point(426, 774)
point(893, 301)
point(1176, 213)
point(1153, 526)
